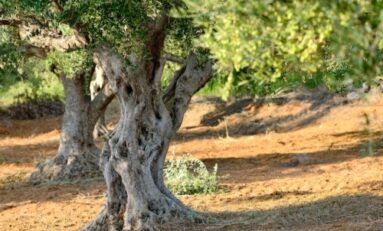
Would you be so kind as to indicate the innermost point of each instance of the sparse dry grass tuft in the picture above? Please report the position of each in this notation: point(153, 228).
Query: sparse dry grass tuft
point(12, 180)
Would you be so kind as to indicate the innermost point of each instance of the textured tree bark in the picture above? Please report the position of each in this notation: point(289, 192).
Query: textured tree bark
point(77, 154)
point(133, 157)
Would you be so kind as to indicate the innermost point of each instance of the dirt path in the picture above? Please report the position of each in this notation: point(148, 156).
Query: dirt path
point(284, 166)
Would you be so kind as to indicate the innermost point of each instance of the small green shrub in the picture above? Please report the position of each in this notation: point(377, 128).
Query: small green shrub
point(187, 175)
point(368, 148)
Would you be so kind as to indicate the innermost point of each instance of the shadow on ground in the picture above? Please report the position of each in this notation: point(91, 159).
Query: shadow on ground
point(27, 128)
point(356, 212)
point(250, 124)
point(25, 193)
point(27, 153)
point(266, 166)
point(261, 167)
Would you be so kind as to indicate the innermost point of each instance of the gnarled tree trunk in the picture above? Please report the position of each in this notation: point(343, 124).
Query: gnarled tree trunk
point(133, 158)
point(77, 155)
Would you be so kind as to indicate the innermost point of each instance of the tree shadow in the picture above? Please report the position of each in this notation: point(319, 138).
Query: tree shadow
point(354, 212)
point(28, 128)
point(262, 167)
point(316, 97)
point(27, 193)
point(27, 153)
point(267, 166)
point(319, 107)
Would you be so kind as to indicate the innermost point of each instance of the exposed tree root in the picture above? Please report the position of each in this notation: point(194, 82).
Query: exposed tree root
point(67, 167)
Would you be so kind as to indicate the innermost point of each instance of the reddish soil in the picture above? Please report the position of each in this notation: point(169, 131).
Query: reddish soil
point(283, 166)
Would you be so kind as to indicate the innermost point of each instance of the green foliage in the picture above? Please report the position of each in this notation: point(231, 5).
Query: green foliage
point(10, 56)
point(260, 47)
point(187, 176)
point(42, 86)
point(181, 33)
point(70, 63)
point(121, 24)
point(268, 46)
point(35, 82)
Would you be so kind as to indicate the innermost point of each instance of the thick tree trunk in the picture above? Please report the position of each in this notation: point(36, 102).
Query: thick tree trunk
point(133, 165)
point(77, 154)
point(133, 158)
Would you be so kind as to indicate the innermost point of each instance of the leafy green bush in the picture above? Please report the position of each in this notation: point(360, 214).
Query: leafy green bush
point(187, 175)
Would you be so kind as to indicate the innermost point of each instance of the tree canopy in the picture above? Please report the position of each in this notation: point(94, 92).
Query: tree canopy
point(66, 32)
point(260, 47)
point(258, 43)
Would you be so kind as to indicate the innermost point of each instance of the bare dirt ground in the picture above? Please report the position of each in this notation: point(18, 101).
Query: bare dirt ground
point(295, 163)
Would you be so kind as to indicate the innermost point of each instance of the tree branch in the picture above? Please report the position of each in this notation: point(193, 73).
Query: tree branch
point(161, 23)
point(111, 64)
point(38, 35)
point(100, 91)
point(173, 58)
point(44, 38)
point(169, 92)
point(58, 5)
point(21, 19)
point(10, 22)
point(101, 101)
point(155, 40)
point(33, 51)
point(185, 83)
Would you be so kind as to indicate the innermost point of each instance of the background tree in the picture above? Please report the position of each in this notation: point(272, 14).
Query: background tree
point(21, 76)
point(64, 51)
point(263, 47)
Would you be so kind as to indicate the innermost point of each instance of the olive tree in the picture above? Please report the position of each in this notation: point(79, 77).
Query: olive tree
point(130, 42)
point(64, 51)
point(133, 157)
